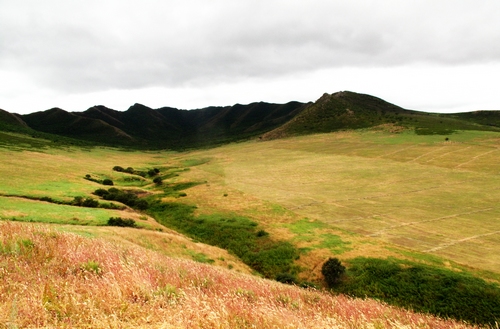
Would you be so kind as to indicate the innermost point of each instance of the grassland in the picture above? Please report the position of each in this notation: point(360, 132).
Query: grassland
point(359, 193)
point(428, 199)
point(370, 191)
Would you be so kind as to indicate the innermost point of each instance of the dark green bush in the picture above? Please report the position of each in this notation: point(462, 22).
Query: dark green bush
point(84, 202)
point(153, 172)
point(126, 197)
point(118, 168)
point(261, 233)
point(158, 180)
point(332, 271)
point(118, 221)
point(107, 181)
point(423, 288)
point(287, 278)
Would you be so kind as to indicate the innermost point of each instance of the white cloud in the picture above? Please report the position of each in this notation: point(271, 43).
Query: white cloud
point(250, 49)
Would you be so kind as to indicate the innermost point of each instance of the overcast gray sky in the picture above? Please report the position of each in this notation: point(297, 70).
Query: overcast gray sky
point(437, 56)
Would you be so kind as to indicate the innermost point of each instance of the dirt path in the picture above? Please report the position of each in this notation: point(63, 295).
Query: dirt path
point(449, 244)
point(428, 221)
point(476, 157)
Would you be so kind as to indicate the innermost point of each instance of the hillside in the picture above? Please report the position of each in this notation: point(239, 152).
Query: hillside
point(166, 127)
point(348, 110)
point(55, 279)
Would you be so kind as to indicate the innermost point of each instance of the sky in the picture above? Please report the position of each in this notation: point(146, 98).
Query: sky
point(434, 56)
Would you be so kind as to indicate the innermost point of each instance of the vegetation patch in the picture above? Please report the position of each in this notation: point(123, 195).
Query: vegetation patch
point(424, 288)
point(194, 162)
point(121, 222)
point(239, 235)
point(312, 232)
point(128, 198)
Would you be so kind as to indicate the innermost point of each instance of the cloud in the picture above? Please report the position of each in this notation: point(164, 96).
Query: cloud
point(93, 46)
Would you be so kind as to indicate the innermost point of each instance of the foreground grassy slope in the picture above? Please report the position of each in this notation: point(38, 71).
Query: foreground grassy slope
point(52, 279)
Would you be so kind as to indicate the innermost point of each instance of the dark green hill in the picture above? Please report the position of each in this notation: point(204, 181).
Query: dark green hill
point(166, 127)
point(59, 122)
point(349, 110)
point(12, 122)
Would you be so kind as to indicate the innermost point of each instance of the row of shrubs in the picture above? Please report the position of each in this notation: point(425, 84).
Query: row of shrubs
point(128, 198)
point(121, 222)
point(129, 170)
point(105, 181)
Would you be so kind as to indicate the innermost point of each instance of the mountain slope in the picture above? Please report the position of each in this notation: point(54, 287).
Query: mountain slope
point(177, 129)
point(11, 122)
point(59, 122)
point(349, 110)
point(164, 127)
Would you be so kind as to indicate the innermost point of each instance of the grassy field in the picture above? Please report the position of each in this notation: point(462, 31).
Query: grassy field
point(364, 192)
point(369, 193)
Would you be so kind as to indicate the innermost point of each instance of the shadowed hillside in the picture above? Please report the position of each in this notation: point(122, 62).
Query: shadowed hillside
point(166, 127)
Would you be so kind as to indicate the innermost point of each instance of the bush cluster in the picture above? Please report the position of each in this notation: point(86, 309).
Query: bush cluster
point(105, 181)
point(132, 171)
point(85, 202)
point(126, 197)
point(424, 289)
point(121, 222)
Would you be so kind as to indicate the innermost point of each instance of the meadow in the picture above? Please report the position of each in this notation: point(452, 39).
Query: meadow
point(419, 199)
point(376, 193)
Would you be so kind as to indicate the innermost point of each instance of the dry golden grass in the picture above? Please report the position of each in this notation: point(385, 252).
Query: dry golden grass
point(61, 280)
point(420, 193)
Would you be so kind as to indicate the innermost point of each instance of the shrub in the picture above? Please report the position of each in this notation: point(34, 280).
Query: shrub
point(118, 221)
point(101, 192)
point(87, 202)
point(118, 168)
point(126, 197)
point(236, 234)
point(287, 278)
point(332, 270)
point(90, 203)
point(107, 181)
point(438, 291)
point(158, 180)
point(262, 233)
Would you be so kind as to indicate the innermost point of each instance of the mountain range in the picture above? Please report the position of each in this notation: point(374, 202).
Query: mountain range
point(166, 127)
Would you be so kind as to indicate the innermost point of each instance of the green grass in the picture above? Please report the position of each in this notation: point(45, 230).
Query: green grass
point(33, 211)
point(313, 232)
point(237, 234)
point(423, 288)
